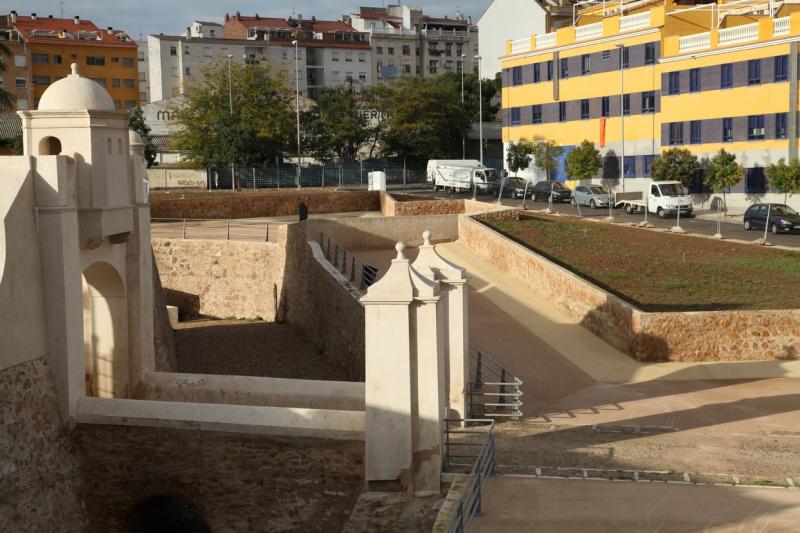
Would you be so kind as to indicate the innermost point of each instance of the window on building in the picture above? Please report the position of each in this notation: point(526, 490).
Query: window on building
point(57, 59)
point(674, 83)
point(626, 57)
point(564, 68)
point(695, 133)
point(22, 104)
point(212, 33)
point(516, 76)
point(2, 83)
point(362, 57)
point(406, 50)
point(41, 80)
point(390, 50)
point(129, 104)
point(754, 72)
point(536, 112)
point(650, 53)
point(726, 76)
point(362, 76)
point(584, 109)
point(433, 66)
point(755, 181)
point(174, 72)
point(549, 70)
point(755, 127)
point(334, 56)
point(143, 97)
point(115, 82)
point(606, 55)
point(605, 106)
point(649, 102)
point(694, 80)
point(727, 130)
point(648, 160)
point(20, 83)
point(379, 49)
point(173, 50)
point(95, 60)
point(19, 61)
point(127, 62)
point(130, 84)
point(626, 104)
point(562, 111)
point(407, 67)
point(187, 71)
point(207, 52)
point(348, 57)
point(629, 166)
point(781, 68)
point(675, 133)
point(516, 116)
point(335, 75)
point(40, 58)
point(780, 125)
point(537, 74)
point(117, 104)
point(186, 50)
point(114, 59)
point(586, 64)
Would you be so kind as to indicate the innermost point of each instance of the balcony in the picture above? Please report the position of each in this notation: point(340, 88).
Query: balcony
point(738, 34)
point(634, 22)
point(460, 34)
point(697, 41)
point(520, 45)
point(589, 31)
point(546, 40)
point(780, 26)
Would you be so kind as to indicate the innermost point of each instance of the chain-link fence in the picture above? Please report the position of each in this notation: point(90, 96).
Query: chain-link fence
point(348, 173)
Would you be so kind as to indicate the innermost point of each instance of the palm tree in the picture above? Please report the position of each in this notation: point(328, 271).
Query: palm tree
point(5, 97)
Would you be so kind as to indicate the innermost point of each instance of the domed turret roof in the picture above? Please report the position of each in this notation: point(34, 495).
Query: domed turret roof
point(75, 93)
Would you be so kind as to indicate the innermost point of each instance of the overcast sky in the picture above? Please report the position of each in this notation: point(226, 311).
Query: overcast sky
point(172, 16)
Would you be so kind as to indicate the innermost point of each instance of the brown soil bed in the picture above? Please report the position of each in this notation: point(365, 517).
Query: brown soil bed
point(663, 272)
point(250, 348)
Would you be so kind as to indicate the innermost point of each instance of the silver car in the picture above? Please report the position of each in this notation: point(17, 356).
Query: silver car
point(592, 195)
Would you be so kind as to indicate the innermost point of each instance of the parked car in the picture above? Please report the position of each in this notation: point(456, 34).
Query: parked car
point(782, 218)
point(541, 192)
point(592, 195)
point(512, 187)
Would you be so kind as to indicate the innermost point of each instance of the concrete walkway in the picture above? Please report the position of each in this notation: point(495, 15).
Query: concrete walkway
point(515, 504)
point(582, 348)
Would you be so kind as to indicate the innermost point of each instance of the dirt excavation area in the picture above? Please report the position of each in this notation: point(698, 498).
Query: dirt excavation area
point(250, 348)
point(658, 271)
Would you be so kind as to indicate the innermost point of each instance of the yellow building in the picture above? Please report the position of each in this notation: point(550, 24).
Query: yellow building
point(703, 77)
point(108, 56)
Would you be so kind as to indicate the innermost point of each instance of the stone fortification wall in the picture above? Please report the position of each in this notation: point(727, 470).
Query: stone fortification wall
point(402, 205)
point(238, 482)
point(259, 204)
point(39, 478)
point(163, 337)
point(382, 233)
point(222, 278)
point(675, 336)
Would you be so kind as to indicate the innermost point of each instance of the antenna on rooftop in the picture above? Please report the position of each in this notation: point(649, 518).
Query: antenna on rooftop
point(61, 10)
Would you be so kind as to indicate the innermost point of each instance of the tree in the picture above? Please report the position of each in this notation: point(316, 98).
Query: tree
point(376, 100)
point(487, 89)
point(6, 102)
point(784, 177)
point(426, 120)
point(13, 143)
point(335, 128)
point(723, 172)
point(675, 164)
point(136, 123)
point(546, 155)
point(583, 161)
point(519, 155)
point(260, 127)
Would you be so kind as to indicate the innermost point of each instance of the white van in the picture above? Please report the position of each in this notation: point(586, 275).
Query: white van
point(459, 179)
point(433, 164)
point(664, 198)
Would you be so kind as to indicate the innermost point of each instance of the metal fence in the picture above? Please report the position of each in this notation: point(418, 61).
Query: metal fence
point(359, 274)
point(469, 446)
point(349, 173)
point(495, 392)
point(216, 229)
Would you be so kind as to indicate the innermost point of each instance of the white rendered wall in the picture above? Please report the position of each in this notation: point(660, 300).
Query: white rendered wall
point(506, 19)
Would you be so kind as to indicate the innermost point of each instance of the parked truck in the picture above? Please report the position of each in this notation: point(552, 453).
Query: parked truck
point(458, 175)
point(663, 198)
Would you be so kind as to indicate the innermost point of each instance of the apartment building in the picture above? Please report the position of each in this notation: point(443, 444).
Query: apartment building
point(336, 53)
point(702, 77)
point(143, 60)
point(107, 56)
point(408, 43)
point(16, 79)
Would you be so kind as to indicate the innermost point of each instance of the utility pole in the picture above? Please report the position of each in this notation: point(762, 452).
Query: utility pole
point(230, 110)
point(297, 105)
point(480, 107)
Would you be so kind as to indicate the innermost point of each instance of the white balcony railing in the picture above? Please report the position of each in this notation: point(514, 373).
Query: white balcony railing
point(632, 22)
point(780, 26)
point(739, 34)
point(545, 40)
point(589, 31)
point(698, 41)
point(520, 45)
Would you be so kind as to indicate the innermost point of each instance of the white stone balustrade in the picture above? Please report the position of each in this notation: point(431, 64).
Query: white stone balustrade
point(520, 45)
point(588, 31)
point(632, 22)
point(781, 26)
point(739, 34)
point(697, 41)
point(545, 40)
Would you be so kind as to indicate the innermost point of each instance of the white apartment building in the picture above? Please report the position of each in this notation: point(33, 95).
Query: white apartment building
point(144, 72)
point(408, 43)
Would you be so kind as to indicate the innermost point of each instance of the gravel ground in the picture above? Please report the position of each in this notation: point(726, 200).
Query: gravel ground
point(247, 348)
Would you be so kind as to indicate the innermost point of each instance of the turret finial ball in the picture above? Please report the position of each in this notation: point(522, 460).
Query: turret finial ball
point(400, 246)
point(426, 237)
point(74, 68)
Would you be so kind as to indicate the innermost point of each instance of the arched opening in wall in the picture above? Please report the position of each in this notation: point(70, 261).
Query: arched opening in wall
point(105, 332)
point(166, 514)
point(50, 146)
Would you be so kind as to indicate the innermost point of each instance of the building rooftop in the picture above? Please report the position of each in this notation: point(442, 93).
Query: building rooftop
point(74, 30)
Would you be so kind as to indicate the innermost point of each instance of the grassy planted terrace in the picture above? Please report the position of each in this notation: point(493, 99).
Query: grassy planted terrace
point(660, 271)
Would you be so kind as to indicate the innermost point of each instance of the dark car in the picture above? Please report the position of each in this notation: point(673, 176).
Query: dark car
point(512, 187)
point(541, 192)
point(782, 218)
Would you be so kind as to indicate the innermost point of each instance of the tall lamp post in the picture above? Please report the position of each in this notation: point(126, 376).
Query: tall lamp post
point(463, 136)
point(230, 110)
point(480, 107)
point(297, 104)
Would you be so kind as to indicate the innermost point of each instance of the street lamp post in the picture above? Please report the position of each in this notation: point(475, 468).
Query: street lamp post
point(480, 107)
point(463, 136)
point(230, 110)
point(297, 105)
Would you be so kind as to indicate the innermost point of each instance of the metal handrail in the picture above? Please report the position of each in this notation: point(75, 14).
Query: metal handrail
point(470, 502)
point(359, 274)
point(207, 228)
point(493, 386)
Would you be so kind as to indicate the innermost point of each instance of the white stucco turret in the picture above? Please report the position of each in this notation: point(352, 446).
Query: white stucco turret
point(75, 93)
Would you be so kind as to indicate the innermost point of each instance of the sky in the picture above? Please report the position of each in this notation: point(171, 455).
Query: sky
point(172, 16)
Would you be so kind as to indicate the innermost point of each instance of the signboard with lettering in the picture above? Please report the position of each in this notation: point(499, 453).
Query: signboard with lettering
point(160, 117)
